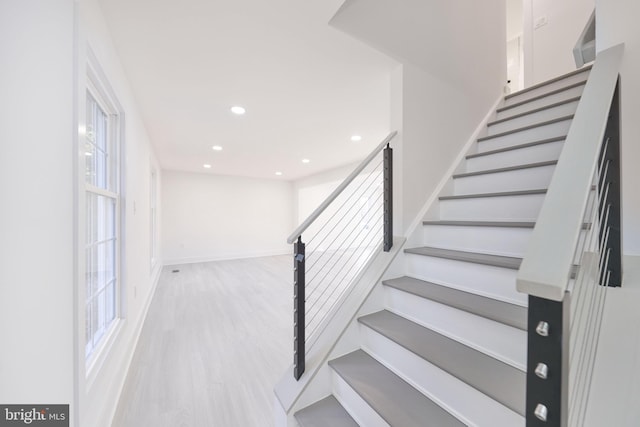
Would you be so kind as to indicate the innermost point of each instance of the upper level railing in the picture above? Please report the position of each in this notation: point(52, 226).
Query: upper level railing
point(574, 254)
point(585, 49)
point(341, 236)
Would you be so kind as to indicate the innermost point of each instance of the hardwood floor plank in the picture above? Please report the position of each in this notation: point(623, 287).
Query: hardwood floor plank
point(216, 339)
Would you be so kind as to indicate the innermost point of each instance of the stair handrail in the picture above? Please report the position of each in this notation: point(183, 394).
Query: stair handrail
point(545, 273)
point(334, 195)
point(575, 255)
point(588, 35)
point(341, 247)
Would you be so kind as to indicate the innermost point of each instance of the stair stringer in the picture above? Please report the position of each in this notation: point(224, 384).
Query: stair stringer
point(341, 335)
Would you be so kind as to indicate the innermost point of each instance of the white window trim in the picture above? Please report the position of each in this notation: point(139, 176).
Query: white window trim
point(98, 85)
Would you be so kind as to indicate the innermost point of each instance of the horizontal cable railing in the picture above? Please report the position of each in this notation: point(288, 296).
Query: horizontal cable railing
point(340, 238)
point(574, 255)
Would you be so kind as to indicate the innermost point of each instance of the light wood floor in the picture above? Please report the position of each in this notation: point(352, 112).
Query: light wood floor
point(217, 338)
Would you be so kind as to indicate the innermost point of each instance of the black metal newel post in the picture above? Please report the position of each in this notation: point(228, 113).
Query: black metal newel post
point(298, 308)
point(547, 370)
point(388, 198)
point(612, 179)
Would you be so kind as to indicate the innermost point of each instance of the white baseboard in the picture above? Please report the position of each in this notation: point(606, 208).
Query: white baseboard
point(133, 343)
point(224, 257)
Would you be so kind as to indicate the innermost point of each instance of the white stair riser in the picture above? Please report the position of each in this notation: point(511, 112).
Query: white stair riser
point(521, 179)
point(580, 77)
point(351, 401)
point(469, 405)
point(503, 208)
point(533, 118)
point(522, 137)
point(502, 342)
point(542, 102)
point(508, 241)
point(489, 281)
point(537, 153)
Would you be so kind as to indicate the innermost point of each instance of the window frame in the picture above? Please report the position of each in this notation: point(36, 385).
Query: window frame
point(97, 85)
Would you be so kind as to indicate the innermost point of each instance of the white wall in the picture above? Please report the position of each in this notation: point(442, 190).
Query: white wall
point(310, 191)
point(36, 218)
point(435, 120)
point(210, 217)
point(43, 47)
point(548, 50)
point(99, 388)
point(617, 22)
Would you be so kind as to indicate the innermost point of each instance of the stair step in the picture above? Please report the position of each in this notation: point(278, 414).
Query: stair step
point(493, 237)
point(510, 178)
point(326, 412)
point(551, 97)
point(495, 194)
point(494, 378)
point(535, 132)
point(505, 206)
point(506, 169)
point(541, 114)
point(535, 110)
point(517, 147)
point(515, 224)
point(548, 86)
point(473, 257)
point(528, 127)
point(533, 152)
point(397, 402)
point(509, 314)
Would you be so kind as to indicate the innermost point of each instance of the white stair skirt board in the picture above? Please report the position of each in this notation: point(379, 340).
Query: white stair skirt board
point(502, 208)
point(469, 405)
point(570, 92)
point(508, 241)
point(550, 130)
point(551, 113)
point(528, 154)
point(486, 280)
point(500, 341)
point(510, 180)
point(359, 410)
point(529, 93)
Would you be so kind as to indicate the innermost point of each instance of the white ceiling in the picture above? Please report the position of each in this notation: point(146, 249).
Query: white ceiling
point(307, 87)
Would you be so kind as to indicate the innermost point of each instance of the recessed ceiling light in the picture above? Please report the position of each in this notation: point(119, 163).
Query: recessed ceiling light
point(217, 148)
point(206, 166)
point(279, 173)
point(356, 138)
point(236, 109)
point(305, 160)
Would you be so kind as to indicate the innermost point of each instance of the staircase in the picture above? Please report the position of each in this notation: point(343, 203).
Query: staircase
point(449, 348)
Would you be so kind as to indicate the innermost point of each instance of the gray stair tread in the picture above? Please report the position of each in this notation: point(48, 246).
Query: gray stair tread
point(474, 257)
point(506, 169)
point(517, 147)
point(548, 82)
point(494, 378)
point(324, 413)
point(523, 128)
point(536, 110)
point(498, 194)
point(503, 312)
point(544, 95)
point(514, 224)
point(397, 402)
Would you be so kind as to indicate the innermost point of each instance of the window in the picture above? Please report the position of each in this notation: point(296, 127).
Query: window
point(102, 217)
